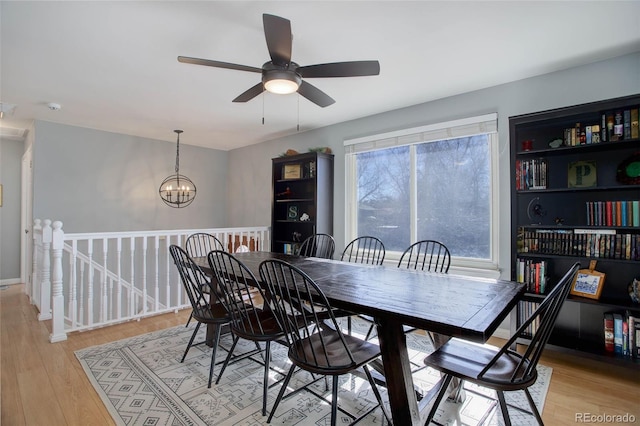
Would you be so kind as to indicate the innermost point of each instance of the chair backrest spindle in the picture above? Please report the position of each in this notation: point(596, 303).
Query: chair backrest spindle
point(427, 255)
point(366, 249)
point(201, 243)
point(317, 245)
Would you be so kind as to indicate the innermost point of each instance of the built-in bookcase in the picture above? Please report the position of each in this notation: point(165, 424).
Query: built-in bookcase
point(302, 199)
point(575, 198)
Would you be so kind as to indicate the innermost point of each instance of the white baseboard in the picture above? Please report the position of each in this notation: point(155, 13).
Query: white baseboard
point(11, 281)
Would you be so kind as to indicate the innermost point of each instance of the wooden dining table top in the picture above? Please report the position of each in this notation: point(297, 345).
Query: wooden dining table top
point(453, 305)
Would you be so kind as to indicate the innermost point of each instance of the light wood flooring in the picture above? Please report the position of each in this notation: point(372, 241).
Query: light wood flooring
point(42, 383)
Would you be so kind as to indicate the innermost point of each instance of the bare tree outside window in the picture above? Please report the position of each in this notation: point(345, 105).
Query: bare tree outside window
point(453, 201)
point(454, 195)
point(383, 196)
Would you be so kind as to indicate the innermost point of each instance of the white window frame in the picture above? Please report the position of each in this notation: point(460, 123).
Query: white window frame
point(484, 124)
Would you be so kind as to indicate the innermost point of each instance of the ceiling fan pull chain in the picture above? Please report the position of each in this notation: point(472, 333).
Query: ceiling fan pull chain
point(298, 126)
point(263, 108)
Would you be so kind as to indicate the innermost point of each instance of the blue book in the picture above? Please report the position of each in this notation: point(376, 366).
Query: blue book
point(623, 208)
point(617, 333)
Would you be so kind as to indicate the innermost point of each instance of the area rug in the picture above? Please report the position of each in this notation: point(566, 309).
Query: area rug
point(142, 382)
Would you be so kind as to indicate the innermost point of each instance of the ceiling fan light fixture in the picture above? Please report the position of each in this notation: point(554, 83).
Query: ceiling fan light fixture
point(281, 82)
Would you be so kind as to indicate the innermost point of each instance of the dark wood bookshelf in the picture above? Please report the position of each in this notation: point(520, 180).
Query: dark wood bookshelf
point(559, 207)
point(307, 189)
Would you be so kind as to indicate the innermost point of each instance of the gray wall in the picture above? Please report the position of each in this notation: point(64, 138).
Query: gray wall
point(10, 177)
point(95, 181)
point(608, 79)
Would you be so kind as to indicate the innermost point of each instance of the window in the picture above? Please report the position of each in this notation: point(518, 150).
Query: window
point(434, 182)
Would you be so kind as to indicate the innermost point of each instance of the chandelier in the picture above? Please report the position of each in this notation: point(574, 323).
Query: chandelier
point(177, 190)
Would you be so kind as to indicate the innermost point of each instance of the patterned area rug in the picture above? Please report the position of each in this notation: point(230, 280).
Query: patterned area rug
point(142, 382)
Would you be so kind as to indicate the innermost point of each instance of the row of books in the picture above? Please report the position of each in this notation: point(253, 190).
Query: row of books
point(290, 248)
point(533, 274)
point(622, 333)
point(613, 213)
point(614, 126)
point(604, 243)
point(531, 174)
point(524, 311)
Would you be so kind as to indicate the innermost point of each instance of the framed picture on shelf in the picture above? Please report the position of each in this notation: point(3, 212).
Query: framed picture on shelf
point(588, 282)
point(582, 174)
point(292, 171)
point(292, 212)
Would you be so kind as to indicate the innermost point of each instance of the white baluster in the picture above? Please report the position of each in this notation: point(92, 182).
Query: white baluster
point(35, 270)
point(156, 241)
point(144, 274)
point(89, 285)
point(104, 298)
point(57, 303)
point(45, 289)
point(132, 297)
point(82, 317)
point(167, 263)
point(73, 282)
point(119, 291)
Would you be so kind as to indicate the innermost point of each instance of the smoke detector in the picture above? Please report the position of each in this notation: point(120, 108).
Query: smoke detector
point(54, 106)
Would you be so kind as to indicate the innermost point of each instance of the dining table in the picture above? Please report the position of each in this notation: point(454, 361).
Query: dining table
point(453, 305)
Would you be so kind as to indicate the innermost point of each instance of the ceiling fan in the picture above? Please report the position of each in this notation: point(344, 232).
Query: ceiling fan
point(281, 75)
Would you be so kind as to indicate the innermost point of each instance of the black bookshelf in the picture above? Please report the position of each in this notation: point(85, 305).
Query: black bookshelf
point(551, 220)
point(302, 199)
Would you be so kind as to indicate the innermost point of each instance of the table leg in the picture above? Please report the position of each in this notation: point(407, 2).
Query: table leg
point(397, 372)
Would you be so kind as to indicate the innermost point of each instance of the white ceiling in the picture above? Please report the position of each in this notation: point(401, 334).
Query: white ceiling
point(112, 65)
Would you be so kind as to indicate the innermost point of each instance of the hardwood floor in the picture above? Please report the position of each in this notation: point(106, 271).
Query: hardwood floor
point(42, 383)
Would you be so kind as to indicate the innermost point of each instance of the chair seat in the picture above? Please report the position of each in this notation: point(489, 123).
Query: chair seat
point(211, 315)
point(466, 359)
point(264, 325)
point(332, 359)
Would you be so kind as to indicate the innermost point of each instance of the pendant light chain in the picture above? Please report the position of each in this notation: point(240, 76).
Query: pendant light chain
point(178, 152)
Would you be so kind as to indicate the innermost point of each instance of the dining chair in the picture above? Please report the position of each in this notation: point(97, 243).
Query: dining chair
point(366, 250)
point(204, 312)
point(199, 245)
point(317, 245)
point(243, 299)
point(316, 343)
point(503, 369)
point(427, 255)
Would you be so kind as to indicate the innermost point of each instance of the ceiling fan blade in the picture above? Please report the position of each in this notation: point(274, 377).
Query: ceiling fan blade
point(250, 93)
point(277, 32)
point(340, 69)
point(315, 95)
point(217, 64)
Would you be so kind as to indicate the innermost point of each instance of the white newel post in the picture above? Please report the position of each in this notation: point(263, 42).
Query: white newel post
point(57, 299)
point(45, 290)
point(35, 274)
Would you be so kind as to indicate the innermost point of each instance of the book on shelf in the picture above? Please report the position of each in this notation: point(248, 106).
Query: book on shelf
point(533, 274)
point(531, 174)
point(608, 332)
point(622, 333)
point(626, 126)
point(635, 134)
point(622, 213)
point(525, 310)
point(594, 243)
point(635, 330)
point(617, 333)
